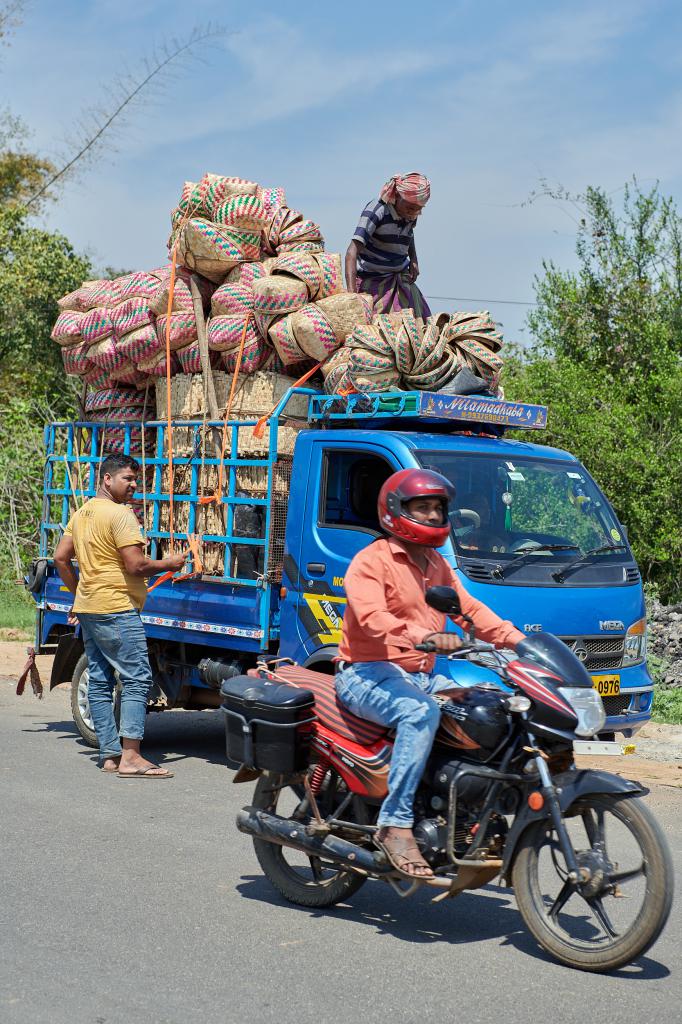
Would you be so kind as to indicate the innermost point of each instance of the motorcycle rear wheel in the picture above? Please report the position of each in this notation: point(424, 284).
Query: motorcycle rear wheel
point(306, 881)
point(579, 929)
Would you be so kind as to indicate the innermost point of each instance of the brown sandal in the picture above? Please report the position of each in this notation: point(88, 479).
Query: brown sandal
point(399, 853)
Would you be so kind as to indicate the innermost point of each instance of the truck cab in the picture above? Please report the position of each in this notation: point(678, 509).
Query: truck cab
point(532, 536)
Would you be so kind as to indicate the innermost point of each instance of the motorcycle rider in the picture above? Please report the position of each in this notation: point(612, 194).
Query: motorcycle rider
point(383, 677)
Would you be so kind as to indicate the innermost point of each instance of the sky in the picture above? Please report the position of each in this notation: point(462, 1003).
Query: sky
point(487, 98)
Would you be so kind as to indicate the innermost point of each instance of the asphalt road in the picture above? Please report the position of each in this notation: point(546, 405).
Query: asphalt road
point(138, 901)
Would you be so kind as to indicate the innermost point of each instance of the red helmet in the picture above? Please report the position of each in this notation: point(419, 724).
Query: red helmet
point(402, 487)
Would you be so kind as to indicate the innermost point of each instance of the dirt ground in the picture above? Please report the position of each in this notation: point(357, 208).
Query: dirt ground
point(657, 761)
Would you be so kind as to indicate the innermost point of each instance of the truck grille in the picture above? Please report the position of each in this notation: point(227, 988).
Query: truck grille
point(617, 705)
point(597, 653)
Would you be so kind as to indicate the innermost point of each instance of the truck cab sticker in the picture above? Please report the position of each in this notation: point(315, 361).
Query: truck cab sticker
point(327, 611)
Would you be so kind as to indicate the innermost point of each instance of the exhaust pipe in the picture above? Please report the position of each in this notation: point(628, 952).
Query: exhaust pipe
point(274, 829)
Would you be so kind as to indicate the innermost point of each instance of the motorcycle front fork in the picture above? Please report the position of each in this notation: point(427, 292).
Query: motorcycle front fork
point(552, 802)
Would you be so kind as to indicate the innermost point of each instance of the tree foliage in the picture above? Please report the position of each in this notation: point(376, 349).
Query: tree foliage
point(606, 359)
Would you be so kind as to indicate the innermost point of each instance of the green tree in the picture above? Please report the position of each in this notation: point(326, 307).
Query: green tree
point(606, 359)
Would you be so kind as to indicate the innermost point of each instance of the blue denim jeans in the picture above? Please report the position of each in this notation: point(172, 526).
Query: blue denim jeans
point(116, 643)
point(388, 695)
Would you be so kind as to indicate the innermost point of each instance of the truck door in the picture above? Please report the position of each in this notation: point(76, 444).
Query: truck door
point(340, 518)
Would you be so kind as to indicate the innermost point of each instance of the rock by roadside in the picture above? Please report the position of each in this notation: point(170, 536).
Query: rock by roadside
point(665, 640)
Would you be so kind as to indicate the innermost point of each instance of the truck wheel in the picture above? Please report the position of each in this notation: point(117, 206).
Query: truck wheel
point(80, 706)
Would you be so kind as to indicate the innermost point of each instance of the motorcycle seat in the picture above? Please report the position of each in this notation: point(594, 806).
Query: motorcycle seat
point(328, 708)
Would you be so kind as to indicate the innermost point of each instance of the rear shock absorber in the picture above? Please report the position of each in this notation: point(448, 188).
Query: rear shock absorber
point(318, 776)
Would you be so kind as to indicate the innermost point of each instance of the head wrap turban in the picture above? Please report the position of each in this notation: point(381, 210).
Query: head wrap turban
point(413, 188)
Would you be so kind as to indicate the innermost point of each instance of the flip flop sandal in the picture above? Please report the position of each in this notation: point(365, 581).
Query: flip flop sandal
point(145, 773)
point(402, 855)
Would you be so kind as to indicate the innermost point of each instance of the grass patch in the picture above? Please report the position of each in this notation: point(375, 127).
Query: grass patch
point(667, 706)
point(17, 613)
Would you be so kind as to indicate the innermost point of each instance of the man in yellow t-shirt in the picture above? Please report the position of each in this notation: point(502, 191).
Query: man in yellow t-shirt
point(105, 538)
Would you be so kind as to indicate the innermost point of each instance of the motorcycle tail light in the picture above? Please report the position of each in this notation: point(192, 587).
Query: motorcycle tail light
point(589, 708)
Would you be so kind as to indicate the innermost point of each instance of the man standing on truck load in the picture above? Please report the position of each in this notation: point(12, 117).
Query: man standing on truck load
point(383, 677)
point(381, 258)
point(105, 537)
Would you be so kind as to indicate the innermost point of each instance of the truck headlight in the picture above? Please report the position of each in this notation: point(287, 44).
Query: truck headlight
point(589, 708)
point(634, 651)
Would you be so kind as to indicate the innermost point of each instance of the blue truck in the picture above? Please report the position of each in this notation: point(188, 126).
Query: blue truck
point(533, 537)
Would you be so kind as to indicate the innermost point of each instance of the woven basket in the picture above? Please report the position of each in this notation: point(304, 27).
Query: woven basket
point(232, 300)
point(313, 333)
point(183, 329)
point(157, 366)
point(130, 315)
point(189, 358)
point(321, 327)
point(73, 300)
point(256, 394)
point(182, 298)
point(97, 377)
point(212, 249)
point(308, 247)
point(192, 201)
point(225, 332)
point(303, 267)
point(271, 234)
point(121, 399)
point(331, 274)
point(255, 354)
point(140, 344)
point(216, 188)
point(142, 285)
point(67, 328)
point(241, 212)
point(75, 359)
point(106, 354)
point(97, 325)
point(301, 231)
point(281, 336)
point(246, 273)
point(129, 374)
point(277, 295)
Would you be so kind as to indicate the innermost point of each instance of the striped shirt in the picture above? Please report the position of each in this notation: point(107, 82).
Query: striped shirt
point(385, 240)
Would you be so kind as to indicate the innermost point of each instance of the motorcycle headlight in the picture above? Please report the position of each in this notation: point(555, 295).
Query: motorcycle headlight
point(589, 708)
point(634, 651)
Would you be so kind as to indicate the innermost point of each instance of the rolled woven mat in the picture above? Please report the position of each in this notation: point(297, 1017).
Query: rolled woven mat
point(130, 315)
point(475, 326)
point(97, 325)
point(212, 249)
point(272, 199)
point(183, 329)
point(276, 295)
point(100, 293)
point(182, 297)
point(301, 231)
point(225, 332)
point(271, 233)
point(74, 300)
point(281, 336)
point(241, 212)
point(300, 247)
point(97, 377)
point(335, 372)
point(106, 354)
point(332, 275)
point(129, 374)
point(75, 359)
point(232, 299)
point(189, 358)
point(67, 328)
point(141, 285)
point(140, 344)
point(372, 361)
point(302, 266)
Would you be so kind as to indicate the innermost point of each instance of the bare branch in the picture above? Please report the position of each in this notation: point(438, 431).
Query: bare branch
point(130, 89)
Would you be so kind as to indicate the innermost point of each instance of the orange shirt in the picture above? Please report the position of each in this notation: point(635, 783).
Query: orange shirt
point(387, 614)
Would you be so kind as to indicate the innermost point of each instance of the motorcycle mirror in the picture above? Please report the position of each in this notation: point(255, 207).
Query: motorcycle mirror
point(444, 599)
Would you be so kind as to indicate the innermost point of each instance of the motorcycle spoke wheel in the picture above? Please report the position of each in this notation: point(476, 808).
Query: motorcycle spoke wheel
point(307, 880)
point(624, 898)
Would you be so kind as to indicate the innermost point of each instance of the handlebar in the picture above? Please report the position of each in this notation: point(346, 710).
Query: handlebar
point(428, 647)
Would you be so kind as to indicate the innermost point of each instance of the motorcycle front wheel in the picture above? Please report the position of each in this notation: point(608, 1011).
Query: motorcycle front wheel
point(307, 881)
point(617, 914)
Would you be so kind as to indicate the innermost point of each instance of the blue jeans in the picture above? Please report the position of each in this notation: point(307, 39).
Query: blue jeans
point(116, 643)
point(388, 695)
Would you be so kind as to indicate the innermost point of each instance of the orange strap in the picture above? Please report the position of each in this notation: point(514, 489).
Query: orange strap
point(169, 307)
point(259, 429)
point(218, 493)
point(193, 542)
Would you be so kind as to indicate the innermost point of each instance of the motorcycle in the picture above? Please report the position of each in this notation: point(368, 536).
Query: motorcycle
point(500, 796)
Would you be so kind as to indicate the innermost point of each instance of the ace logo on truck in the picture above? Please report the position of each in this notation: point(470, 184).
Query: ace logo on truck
point(532, 627)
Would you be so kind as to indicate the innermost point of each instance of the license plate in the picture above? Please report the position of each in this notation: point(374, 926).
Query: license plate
point(607, 686)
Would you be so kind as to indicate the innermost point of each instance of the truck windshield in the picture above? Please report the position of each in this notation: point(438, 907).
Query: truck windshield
point(503, 505)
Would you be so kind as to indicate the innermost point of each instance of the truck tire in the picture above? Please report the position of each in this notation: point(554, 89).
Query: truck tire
point(80, 707)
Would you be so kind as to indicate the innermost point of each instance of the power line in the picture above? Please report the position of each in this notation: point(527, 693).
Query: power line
point(498, 302)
